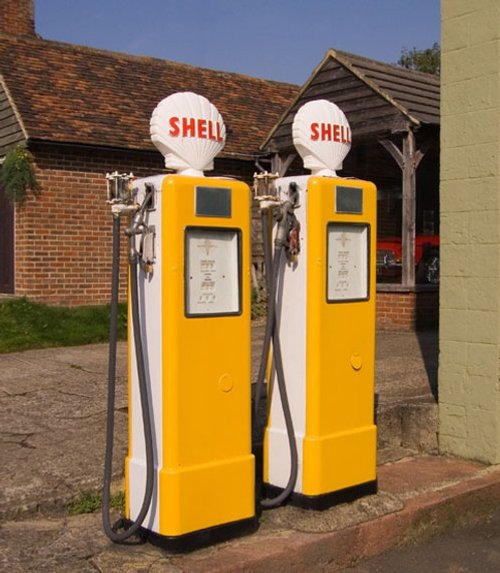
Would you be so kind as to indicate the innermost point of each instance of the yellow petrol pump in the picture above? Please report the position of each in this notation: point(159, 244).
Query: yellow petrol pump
point(190, 471)
point(324, 322)
point(189, 343)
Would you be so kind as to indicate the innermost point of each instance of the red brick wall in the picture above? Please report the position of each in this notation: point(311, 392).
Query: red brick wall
point(17, 17)
point(407, 310)
point(64, 236)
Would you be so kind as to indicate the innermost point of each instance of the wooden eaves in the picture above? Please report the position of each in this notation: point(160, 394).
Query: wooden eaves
point(382, 102)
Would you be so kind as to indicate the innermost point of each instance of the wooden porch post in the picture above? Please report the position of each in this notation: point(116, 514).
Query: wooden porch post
point(408, 160)
point(280, 165)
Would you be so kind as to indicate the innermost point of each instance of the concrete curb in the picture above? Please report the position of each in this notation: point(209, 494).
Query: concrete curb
point(423, 515)
point(419, 496)
point(411, 424)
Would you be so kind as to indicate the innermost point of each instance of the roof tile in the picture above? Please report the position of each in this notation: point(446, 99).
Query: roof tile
point(74, 94)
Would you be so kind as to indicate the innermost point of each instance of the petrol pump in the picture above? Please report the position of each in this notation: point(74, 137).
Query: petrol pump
point(320, 442)
point(189, 473)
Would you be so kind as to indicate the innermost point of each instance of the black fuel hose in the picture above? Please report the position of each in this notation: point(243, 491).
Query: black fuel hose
point(110, 530)
point(270, 319)
point(272, 269)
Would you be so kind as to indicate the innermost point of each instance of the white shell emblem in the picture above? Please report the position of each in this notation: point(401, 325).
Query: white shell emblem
point(189, 131)
point(322, 136)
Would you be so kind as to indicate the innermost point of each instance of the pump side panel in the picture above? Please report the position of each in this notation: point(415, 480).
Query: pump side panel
point(291, 327)
point(150, 302)
point(208, 469)
point(340, 443)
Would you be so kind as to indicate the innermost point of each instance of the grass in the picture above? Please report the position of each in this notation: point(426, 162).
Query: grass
point(25, 325)
point(92, 501)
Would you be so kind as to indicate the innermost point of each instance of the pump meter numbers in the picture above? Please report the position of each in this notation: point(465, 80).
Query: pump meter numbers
point(347, 259)
point(212, 272)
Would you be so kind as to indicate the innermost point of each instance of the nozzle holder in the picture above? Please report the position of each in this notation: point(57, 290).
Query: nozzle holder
point(119, 187)
point(264, 188)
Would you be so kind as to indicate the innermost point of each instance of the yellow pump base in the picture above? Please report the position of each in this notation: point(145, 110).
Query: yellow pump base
point(195, 308)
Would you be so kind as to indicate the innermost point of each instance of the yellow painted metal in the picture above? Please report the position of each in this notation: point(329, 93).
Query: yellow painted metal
point(339, 448)
point(207, 478)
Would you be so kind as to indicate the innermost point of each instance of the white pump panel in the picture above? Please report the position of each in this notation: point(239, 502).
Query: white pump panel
point(151, 330)
point(347, 273)
point(212, 272)
point(292, 328)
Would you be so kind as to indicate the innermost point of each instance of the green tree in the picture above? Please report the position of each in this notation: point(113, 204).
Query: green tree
point(428, 60)
point(17, 174)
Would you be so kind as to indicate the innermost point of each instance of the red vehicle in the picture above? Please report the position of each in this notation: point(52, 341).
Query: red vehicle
point(426, 258)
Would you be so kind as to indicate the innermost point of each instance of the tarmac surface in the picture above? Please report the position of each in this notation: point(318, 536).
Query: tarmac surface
point(52, 448)
point(466, 550)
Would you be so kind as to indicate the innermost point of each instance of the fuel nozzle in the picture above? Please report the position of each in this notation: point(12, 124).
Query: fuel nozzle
point(139, 226)
point(288, 226)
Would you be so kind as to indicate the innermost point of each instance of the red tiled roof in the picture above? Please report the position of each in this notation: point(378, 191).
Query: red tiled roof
point(74, 94)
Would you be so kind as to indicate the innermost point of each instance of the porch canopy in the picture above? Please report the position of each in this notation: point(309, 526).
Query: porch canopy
point(394, 117)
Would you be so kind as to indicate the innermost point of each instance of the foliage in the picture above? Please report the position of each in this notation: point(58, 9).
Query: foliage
point(17, 175)
point(117, 501)
point(87, 503)
point(258, 304)
point(92, 501)
point(428, 60)
point(25, 325)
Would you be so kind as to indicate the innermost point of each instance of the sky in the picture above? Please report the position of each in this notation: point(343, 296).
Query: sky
point(282, 40)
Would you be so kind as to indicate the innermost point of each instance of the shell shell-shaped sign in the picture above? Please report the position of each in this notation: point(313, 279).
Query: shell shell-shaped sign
point(322, 136)
point(189, 131)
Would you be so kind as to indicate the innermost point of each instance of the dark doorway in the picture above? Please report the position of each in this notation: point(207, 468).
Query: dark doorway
point(6, 244)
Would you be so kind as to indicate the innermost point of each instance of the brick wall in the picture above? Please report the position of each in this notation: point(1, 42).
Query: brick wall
point(407, 310)
point(17, 17)
point(64, 236)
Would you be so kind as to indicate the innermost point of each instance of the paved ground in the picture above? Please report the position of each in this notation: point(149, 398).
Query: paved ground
point(52, 440)
point(53, 415)
point(465, 550)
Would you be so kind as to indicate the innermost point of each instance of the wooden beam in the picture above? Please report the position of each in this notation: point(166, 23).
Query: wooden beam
point(398, 156)
point(280, 165)
point(409, 210)
point(394, 151)
point(408, 160)
point(420, 154)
